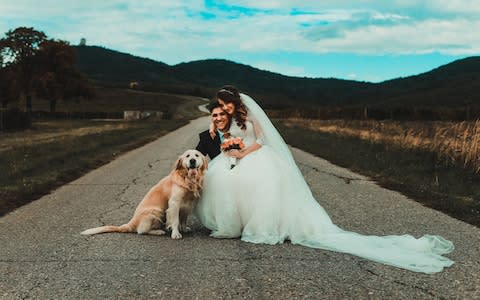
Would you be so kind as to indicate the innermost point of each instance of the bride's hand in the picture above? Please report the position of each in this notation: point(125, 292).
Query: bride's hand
point(212, 130)
point(235, 153)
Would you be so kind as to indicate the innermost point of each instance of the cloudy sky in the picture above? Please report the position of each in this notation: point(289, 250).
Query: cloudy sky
point(360, 40)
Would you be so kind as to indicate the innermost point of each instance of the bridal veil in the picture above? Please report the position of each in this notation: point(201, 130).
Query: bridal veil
point(303, 220)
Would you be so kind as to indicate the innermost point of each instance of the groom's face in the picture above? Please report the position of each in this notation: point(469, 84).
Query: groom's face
point(220, 118)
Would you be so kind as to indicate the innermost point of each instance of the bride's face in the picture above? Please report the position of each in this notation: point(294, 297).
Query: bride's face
point(228, 107)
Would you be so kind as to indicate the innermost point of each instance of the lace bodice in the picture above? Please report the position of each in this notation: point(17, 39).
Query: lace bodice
point(248, 135)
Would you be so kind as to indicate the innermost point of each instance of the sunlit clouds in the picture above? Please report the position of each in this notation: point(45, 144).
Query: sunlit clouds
point(429, 33)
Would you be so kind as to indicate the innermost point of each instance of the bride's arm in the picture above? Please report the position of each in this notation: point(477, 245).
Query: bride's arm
point(212, 129)
point(254, 147)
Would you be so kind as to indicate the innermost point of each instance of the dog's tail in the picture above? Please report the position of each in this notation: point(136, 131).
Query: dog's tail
point(110, 228)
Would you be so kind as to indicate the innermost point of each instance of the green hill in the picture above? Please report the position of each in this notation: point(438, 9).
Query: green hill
point(110, 66)
point(285, 90)
point(454, 84)
point(451, 85)
point(202, 78)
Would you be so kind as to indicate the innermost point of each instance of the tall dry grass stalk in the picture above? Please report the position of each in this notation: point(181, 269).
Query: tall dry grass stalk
point(455, 141)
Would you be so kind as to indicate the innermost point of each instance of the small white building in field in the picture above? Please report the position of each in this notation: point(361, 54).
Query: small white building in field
point(137, 114)
point(131, 115)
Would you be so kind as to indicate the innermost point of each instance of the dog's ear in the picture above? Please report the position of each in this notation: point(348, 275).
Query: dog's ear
point(204, 164)
point(178, 164)
point(179, 169)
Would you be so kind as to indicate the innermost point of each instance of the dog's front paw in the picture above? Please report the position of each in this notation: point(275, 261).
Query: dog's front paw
point(176, 235)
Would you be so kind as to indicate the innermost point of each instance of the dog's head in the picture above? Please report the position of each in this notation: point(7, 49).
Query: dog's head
point(193, 161)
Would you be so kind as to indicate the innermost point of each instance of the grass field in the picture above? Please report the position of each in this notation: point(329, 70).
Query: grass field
point(54, 152)
point(453, 141)
point(115, 99)
point(406, 157)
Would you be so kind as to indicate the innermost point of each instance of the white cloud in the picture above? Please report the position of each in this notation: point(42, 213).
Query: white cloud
point(422, 37)
point(176, 31)
point(352, 76)
point(344, 26)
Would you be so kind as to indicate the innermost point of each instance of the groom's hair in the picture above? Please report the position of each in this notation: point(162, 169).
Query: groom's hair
point(213, 105)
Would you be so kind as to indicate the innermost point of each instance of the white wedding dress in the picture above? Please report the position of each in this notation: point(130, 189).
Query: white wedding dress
point(265, 199)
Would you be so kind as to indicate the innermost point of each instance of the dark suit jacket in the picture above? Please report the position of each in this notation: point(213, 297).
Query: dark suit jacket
point(208, 146)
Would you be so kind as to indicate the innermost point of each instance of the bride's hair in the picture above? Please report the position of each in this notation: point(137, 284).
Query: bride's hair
point(230, 94)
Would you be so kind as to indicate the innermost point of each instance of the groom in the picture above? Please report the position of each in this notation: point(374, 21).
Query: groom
point(221, 120)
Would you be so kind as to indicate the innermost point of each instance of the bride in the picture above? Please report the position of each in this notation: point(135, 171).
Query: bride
point(259, 194)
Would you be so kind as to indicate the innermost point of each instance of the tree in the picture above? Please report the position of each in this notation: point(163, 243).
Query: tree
point(3, 75)
point(9, 87)
point(3, 46)
point(19, 48)
point(58, 79)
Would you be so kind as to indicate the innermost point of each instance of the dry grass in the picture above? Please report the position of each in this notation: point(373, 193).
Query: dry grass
point(52, 153)
point(48, 131)
point(453, 141)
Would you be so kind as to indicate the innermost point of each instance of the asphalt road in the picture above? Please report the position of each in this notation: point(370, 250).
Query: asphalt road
point(43, 255)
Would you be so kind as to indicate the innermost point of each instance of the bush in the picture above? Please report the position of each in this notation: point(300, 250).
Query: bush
point(15, 119)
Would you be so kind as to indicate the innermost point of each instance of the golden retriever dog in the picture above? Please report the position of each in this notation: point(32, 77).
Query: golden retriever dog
point(175, 195)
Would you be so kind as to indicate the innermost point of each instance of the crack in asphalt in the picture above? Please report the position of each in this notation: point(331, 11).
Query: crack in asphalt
point(126, 186)
point(247, 277)
point(424, 290)
point(146, 259)
point(123, 202)
point(96, 184)
point(248, 273)
point(346, 179)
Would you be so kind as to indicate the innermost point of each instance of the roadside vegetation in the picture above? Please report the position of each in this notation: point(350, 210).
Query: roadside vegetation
point(457, 142)
point(53, 153)
point(57, 150)
point(435, 163)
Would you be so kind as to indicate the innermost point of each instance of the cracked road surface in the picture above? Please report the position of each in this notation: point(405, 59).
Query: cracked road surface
point(43, 255)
